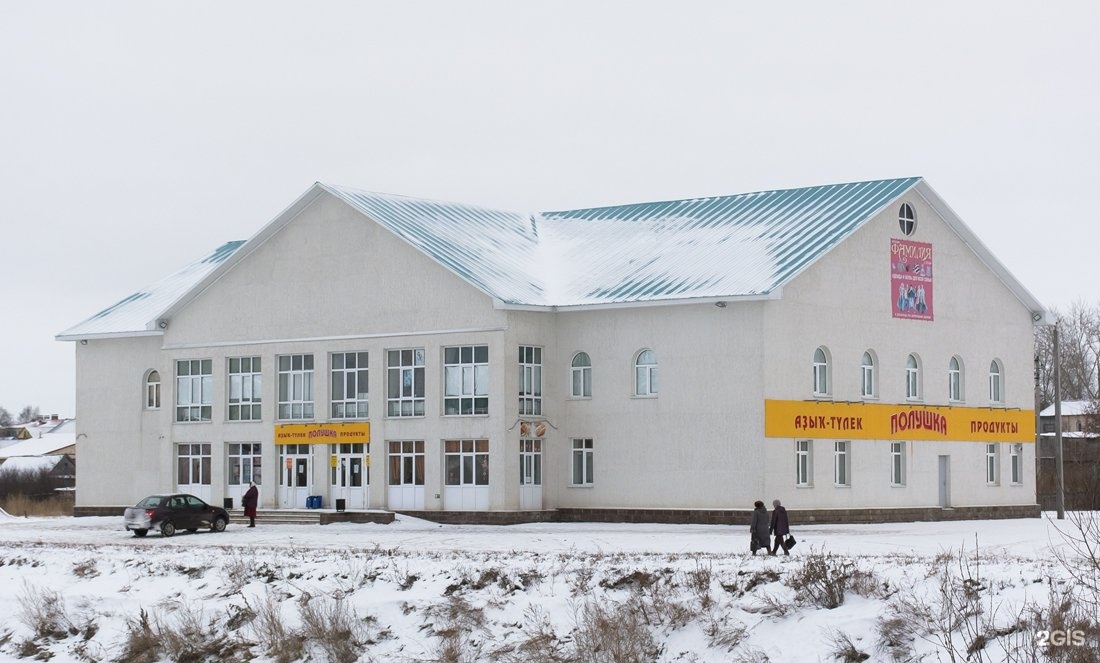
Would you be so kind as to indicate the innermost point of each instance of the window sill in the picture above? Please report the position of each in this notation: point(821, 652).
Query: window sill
point(580, 485)
point(823, 397)
point(803, 485)
point(296, 421)
point(579, 398)
point(644, 396)
point(455, 416)
point(846, 486)
point(411, 416)
point(189, 423)
point(868, 398)
point(897, 485)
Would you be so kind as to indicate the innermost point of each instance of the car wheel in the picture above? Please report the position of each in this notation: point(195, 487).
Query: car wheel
point(167, 528)
point(218, 526)
point(140, 532)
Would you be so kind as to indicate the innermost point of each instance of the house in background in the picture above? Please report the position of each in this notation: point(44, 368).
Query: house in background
point(1080, 456)
point(852, 349)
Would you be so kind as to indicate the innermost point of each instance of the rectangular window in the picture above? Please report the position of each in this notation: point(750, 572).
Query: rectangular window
point(530, 380)
point(466, 462)
point(1017, 465)
point(842, 468)
point(991, 463)
point(803, 462)
point(194, 389)
point(243, 462)
point(405, 383)
point(406, 462)
point(245, 389)
point(466, 379)
point(582, 461)
point(897, 463)
point(295, 387)
point(349, 385)
point(193, 464)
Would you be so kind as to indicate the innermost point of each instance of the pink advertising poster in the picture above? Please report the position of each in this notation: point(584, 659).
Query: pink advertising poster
point(911, 279)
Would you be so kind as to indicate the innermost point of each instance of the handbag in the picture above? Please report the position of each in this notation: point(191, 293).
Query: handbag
point(789, 543)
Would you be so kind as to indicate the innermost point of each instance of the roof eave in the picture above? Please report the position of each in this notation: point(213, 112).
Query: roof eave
point(1040, 316)
point(89, 337)
point(719, 301)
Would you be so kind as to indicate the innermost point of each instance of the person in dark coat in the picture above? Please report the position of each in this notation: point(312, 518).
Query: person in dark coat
point(758, 528)
point(249, 502)
point(780, 527)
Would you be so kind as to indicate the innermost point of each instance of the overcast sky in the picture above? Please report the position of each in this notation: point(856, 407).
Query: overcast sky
point(135, 136)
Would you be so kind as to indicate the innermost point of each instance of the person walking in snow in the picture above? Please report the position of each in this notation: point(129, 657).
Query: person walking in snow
point(780, 528)
point(758, 528)
point(249, 502)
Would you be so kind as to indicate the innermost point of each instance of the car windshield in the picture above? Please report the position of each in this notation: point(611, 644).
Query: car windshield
point(152, 501)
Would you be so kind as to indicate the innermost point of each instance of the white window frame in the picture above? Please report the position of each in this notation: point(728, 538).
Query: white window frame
point(821, 372)
point(645, 374)
point(912, 378)
point(996, 382)
point(194, 390)
point(530, 380)
point(907, 219)
point(193, 459)
point(466, 462)
point(842, 463)
point(954, 380)
point(992, 464)
point(804, 463)
point(239, 472)
point(897, 463)
point(295, 387)
point(580, 376)
point(466, 380)
point(405, 382)
point(152, 390)
point(867, 381)
point(245, 389)
point(1016, 464)
point(583, 461)
point(349, 385)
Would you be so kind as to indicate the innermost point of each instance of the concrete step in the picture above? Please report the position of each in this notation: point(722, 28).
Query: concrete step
point(278, 516)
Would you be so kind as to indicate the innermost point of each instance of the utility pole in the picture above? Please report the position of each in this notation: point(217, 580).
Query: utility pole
point(1060, 477)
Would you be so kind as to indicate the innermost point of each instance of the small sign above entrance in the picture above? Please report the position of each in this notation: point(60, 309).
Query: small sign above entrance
point(341, 433)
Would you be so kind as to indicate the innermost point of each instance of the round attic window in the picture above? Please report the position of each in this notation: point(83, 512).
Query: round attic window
point(907, 219)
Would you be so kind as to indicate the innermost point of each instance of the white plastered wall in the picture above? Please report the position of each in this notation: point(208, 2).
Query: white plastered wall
point(843, 302)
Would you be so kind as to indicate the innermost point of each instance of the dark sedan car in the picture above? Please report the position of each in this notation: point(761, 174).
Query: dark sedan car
point(170, 513)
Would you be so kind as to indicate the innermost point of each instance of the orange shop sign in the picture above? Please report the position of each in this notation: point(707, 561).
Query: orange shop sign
point(341, 433)
point(887, 421)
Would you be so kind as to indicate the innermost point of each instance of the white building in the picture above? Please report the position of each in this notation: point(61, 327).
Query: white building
point(853, 350)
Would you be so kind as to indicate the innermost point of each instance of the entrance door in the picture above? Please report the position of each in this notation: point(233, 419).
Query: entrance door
point(295, 470)
point(530, 474)
point(349, 475)
point(406, 470)
point(945, 481)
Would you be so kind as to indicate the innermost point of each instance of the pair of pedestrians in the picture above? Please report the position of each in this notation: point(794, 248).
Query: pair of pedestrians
point(762, 529)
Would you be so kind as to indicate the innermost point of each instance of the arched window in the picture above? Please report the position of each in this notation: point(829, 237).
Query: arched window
point(581, 373)
point(912, 378)
point(645, 374)
point(152, 391)
point(954, 380)
point(867, 375)
point(821, 372)
point(907, 219)
point(996, 382)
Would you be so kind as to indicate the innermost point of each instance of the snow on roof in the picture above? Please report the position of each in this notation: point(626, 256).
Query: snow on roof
point(29, 464)
point(1069, 409)
point(39, 446)
point(725, 247)
point(138, 313)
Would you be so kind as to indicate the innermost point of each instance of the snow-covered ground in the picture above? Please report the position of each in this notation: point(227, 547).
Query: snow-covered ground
point(419, 591)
